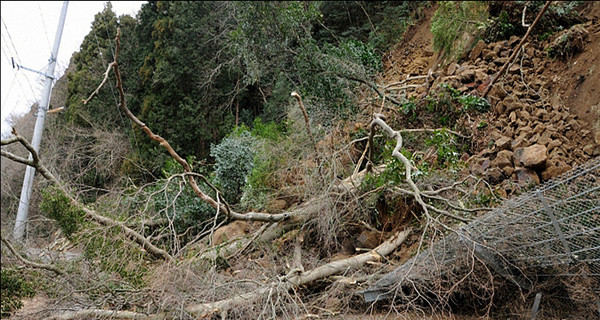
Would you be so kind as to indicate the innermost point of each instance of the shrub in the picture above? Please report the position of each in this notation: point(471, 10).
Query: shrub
point(58, 207)
point(14, 288)
point(471, 102)
point(447, 150)
point(568, 43)
point(234, 160)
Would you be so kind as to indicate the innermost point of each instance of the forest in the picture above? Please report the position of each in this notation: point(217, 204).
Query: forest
point(275, 160)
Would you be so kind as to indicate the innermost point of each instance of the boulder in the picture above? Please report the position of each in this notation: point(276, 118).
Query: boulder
point(500, 61)
point(534, 157)
point(233, 230)
point(452, 68)
point(503, 143)
point(494, 175)
point(512, 42)
point(591, 150)
point(519, 142)
point(467, 76)
point(526, 176)
point(498, 91)
point(554, 171)
point(489, 55)
point(501, 162)
point(479, 165)
point(476, 52)
point(553, 144)
point(506, 154)
point(508, 171)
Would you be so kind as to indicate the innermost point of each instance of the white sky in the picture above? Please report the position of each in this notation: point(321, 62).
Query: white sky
point(28, 29)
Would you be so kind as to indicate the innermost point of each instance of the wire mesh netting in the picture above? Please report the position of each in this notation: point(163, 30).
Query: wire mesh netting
point(546, 240)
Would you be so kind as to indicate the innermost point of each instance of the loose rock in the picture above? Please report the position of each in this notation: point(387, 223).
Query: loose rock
point(531, 157)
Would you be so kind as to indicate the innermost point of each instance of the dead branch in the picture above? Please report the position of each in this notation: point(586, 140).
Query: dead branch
point(110, 65)
point(101, 313)
point(297, 278)
point(523, 16)
point(31, 263)
point(305, 114)
point(90, 214)
point(516, 50)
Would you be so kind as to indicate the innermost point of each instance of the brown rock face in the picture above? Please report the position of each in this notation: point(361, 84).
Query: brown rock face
point(534, 157)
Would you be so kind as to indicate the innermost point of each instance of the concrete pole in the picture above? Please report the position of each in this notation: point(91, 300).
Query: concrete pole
point(21, 221)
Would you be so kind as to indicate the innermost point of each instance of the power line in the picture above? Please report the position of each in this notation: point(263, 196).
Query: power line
point(17, 57)
point(18, 80)
point(44, 25)
point(11, 41)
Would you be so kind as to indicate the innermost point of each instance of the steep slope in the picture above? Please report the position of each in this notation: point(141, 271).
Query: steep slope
point(549, 103)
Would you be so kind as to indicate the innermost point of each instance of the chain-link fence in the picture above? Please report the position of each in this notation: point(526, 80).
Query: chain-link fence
point(544, 241)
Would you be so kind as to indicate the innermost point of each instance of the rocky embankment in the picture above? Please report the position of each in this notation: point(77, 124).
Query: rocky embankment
point(533, 135)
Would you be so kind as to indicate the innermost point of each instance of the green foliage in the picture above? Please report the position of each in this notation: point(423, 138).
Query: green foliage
point(259, 185)
point(329, 72)
point(271, 131)
point(58, 207)
point(447, 148)
point(444, 104)
point(14, 288)
point(234, 160)
point(174, 199)
point(471, 102)
point(453, 21)
point(500, 28)
point(109, 251)
point(409, 108)
point(380, 23)
point(394, 172)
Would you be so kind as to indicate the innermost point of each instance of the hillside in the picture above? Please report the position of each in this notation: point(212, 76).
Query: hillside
point(263, 160)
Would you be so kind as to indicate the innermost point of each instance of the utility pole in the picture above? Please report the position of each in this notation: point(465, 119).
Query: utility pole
point(39, 128)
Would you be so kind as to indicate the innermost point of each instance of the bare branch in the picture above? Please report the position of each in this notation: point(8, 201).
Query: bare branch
point(110, 65)
point(101, 313)
point(297, 96)
point(28, 262)
point(91, 214)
